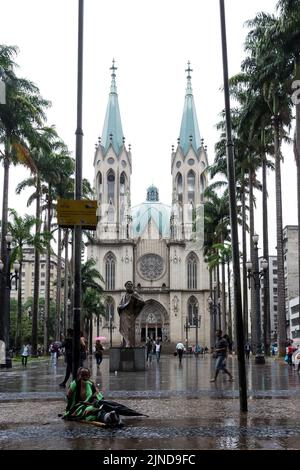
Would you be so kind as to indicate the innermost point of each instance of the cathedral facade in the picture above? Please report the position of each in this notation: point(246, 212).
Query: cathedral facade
point(158, 247)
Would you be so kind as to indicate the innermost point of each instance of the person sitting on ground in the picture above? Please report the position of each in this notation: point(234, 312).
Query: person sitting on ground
point(86, 402)
point(83, 401)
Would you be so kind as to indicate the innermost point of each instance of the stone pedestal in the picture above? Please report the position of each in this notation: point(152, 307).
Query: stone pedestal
point(127, 359)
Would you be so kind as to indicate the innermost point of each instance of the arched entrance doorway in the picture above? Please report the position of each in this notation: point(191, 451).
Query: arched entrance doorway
point(153, 321)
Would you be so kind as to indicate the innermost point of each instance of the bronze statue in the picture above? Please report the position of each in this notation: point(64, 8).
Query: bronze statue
point(129, 309)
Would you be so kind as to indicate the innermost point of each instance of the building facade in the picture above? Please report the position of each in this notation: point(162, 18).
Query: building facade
point(27, 278)
point(273, 297)
point(156, 246)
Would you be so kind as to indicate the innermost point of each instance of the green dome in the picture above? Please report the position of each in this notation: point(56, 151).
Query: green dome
point(151, 209)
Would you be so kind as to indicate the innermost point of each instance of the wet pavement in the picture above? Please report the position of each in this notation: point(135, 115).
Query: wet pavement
point(186, 411)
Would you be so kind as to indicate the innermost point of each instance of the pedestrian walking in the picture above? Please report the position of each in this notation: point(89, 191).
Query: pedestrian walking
point(25, 353)
point(290, 351)
point(157, 349)
point(179, 349)
point(247, 350)
point(221, 352)
point(98, 352)
point(149, 348)
point(67, 344)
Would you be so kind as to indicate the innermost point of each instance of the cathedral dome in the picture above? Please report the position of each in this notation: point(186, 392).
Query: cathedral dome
point(151, 210)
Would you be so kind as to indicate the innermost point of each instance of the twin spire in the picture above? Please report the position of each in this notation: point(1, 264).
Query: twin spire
point(113, 132)
point(189, 129)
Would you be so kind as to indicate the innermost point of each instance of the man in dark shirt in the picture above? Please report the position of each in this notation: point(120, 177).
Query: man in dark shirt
point(221, 350)
point(68, 345)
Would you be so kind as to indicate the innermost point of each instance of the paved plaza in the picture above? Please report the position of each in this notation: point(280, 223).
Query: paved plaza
point(185, 410)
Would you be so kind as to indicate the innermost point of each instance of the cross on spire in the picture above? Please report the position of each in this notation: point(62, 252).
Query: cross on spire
point(189, 70)
point(113, 68)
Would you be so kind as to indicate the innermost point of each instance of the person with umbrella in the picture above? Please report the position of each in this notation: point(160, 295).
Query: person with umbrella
point(179, 349)
point(98, 352)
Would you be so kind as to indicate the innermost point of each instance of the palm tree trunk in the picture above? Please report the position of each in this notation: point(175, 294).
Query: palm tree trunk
point(91, 335)
point(224, 323)
point(220, 313)
point(254, 331)
point(47, 279)
point(4, 317)
point(230, 332)
point(280, 265)
point(212, 313)
point(297, 158)
point(19, 313)
point(266, 294)
point(244, 242)
point(66, 283)
point(36, 289)
point(58, 286)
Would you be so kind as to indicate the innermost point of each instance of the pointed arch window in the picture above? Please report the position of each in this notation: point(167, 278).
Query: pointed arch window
point(110, 271)
point(99, 185)
point(192, 311)
point(111, 186)
point(191, 186)
point(122, 183)
point(202, 187)
point(179, 186)
point(110, 310)
point(192, 271)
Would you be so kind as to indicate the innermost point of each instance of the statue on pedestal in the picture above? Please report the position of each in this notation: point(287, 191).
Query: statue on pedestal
point(129, 308)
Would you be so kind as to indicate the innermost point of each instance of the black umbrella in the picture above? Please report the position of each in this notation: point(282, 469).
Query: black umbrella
point(118, 408)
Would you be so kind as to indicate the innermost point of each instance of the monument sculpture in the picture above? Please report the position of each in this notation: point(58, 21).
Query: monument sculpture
point(129, 308)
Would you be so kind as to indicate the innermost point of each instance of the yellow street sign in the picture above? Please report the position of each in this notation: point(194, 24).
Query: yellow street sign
point(77, 212)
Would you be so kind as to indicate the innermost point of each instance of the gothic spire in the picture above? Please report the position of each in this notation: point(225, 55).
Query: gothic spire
point(112, 130)
point(189, 130)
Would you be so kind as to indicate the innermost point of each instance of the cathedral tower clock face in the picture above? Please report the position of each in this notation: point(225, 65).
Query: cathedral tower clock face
point(151, 266)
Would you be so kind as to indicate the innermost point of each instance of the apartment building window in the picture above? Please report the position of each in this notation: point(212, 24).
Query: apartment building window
point(274, 271)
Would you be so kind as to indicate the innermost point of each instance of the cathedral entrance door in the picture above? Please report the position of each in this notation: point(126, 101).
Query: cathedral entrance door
point(152, 331)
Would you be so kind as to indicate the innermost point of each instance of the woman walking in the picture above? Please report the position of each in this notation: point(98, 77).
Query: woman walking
point(98, 352)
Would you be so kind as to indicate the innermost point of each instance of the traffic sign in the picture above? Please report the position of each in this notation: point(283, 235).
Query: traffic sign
point(77, 212)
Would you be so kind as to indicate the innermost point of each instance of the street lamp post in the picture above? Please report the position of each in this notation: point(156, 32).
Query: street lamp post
point(111, 327)
point(8, 278)
point(215, 311)
point(197, 325)
point(187, 327)
point(256, 275)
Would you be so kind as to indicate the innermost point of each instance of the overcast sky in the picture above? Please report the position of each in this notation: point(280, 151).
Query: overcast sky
point(151, 42)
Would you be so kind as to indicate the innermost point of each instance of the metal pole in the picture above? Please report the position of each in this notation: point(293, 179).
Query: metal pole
point(187, 334)
point(78, 190)
point(259, 357)
point(233, 223)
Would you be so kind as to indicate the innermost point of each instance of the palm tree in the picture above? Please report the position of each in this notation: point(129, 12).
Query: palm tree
point(270, 73)
point(289, 34)
point(23, 112)
point(20, 229)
